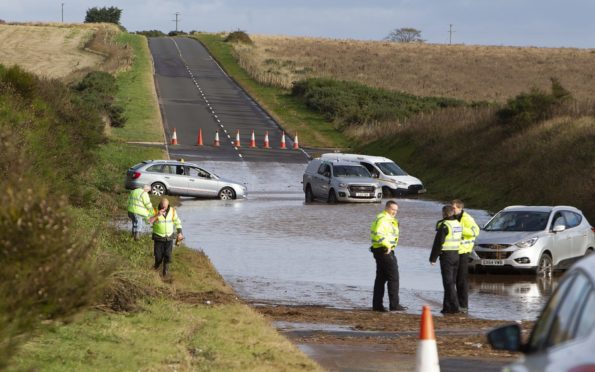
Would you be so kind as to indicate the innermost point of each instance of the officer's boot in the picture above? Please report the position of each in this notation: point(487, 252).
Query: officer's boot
point(137, 235)
point(165, 269)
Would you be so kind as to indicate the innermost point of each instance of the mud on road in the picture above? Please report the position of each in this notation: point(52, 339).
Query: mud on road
point(456, 336)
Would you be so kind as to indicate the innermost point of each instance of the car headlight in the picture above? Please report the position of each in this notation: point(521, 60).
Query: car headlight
point(343, 185)
point(526, 243)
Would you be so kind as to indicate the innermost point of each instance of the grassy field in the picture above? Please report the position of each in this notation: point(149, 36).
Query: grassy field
point(192, 321)
point(313, 129)
point(472, 73)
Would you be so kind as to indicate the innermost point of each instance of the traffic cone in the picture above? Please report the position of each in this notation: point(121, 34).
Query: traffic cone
point(199, 141)
point(296, 144)
point(174, 138)
point(427, 350)
point(252, 140)
point(266, 140)
point(237, 143)
point(283, 147)
point(216, 143)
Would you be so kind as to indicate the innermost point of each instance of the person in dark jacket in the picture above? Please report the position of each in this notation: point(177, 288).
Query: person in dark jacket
point(446, 246)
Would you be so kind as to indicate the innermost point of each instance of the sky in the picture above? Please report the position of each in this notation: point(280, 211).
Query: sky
point(542, 23)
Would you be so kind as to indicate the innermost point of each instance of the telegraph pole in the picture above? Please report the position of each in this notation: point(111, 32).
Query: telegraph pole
point(62, 12)
point(450, 32)
point(176, 20)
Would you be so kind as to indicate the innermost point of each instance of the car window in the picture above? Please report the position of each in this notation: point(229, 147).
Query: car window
point(170, 169)
point(350, 171)
point(136, 166)
point(373, 171)
point(542, 326)
point(586, 323)
point(324, 170)
point(572, 219)
point(558, 220)
point(391, 169)
point(180, 169)
point(562, 327)
point(197, 172)
point(518, 221)
point(155, 168)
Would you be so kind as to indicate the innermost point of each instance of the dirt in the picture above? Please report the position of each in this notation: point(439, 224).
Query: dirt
point(456, 336)
point(208, 298)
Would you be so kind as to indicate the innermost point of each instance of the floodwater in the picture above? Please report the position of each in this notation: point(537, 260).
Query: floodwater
point(273, 248)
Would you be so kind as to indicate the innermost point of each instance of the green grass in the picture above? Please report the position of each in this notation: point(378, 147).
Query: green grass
point(292, 114)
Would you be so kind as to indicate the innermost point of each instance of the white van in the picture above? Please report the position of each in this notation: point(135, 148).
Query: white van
point(393, 179)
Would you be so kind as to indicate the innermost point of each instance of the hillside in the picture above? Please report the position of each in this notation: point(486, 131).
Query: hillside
point(472, 73)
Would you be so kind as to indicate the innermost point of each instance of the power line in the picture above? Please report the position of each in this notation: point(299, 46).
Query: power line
point(450, 32)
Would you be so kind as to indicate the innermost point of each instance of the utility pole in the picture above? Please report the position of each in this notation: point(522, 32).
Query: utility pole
point(176, 20)
point(450, 32)
point(62, 12)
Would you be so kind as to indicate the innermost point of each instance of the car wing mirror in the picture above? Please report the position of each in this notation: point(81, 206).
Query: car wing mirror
point(507, 338)
point(559, 228)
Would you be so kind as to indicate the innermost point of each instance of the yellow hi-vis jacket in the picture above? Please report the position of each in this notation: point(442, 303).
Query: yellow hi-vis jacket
point(165, 226)
point(470, 233)
point(452, 240)
point(384, 231)
point(139, 202)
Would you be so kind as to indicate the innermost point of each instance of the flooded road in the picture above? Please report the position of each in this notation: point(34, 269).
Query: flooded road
point(273, 248)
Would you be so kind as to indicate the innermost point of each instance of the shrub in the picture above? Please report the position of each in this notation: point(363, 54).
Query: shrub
point(150, 33)
point(105, 14)
point(99, 89)
point(238, 37)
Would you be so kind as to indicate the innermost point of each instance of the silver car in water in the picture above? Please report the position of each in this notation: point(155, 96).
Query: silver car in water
point(182, 178)
point(536, 238)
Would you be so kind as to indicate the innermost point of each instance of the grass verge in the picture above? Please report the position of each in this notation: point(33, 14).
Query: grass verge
point(191, 322)
point(291, 114)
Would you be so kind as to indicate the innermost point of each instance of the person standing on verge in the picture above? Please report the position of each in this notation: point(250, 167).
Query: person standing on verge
point(139, 208)
point(384, 234)
point(446, 246)
point(164, 220)
point(470, 233)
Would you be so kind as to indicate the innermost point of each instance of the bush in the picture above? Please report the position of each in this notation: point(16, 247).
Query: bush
point(176, 33)
point(105, 14)
point(238, 37)
point(99, 89)
point(150, 33)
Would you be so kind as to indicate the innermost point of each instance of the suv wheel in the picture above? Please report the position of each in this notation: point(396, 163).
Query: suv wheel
point(158, 189)
point(227, 193)
point(309, 197)
point(545, 266)
point(332, 197)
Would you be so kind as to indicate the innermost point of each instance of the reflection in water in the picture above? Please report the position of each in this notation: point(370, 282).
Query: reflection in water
point(274, 248)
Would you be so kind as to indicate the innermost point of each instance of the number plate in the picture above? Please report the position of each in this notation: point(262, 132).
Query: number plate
point(362, 194)
point(492, 262)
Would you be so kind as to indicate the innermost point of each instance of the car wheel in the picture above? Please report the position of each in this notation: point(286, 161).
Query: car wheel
point(545, 266)
point(589, 251)
point(386, 192)
point(309, 197)
point(227, 193)
point(158, 189)
point(332, 197)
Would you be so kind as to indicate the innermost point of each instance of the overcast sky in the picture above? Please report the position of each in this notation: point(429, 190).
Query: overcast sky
point(550, 23)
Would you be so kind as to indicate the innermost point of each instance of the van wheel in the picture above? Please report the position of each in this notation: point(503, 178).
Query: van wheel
point(386, 192)
point(332, 197)
point(309, 197)
point(545, 266)
point(158, 189)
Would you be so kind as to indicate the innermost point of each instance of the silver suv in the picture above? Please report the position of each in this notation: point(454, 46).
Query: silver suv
point(339, 181)
point(540, 239)
point(181, 178)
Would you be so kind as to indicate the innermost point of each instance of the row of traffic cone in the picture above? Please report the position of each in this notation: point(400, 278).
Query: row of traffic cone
point(217, 142)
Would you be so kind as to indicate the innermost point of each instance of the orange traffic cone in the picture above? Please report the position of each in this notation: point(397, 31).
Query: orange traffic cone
point(427, 350)
point(216, 142)
point(296, 144)
point(283, 147)
point(199, 140)
point(266, 140)
point(237, 143)
point(252, 140)
point(174, 138)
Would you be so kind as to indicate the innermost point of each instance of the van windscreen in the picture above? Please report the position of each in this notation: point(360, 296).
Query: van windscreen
point(391, 169)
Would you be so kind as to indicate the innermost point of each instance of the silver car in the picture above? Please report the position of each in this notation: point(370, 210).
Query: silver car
point(563, 338)
point(182, 178)
point(540, 239)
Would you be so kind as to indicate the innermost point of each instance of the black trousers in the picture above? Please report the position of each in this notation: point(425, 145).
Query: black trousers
point(449, 264)
point(387, 272)
point(463, 280)
point(162, 250)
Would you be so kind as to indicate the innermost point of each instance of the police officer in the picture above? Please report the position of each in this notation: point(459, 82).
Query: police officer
point(446, 246)
point(139, 208)
point(164, 220)
point(384, 234)
point(470, 233)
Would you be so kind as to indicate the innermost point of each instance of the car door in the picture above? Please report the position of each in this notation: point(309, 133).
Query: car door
point(322, 181)
point(562, 242)
point(200, 182)
point(578, 233)
point(177, 182)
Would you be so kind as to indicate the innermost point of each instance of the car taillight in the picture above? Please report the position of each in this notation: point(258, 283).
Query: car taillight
point(593, 229)
point(136, 175)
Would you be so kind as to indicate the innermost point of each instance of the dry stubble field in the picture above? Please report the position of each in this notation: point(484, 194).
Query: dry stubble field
point(53, 51)
point(492, 73)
